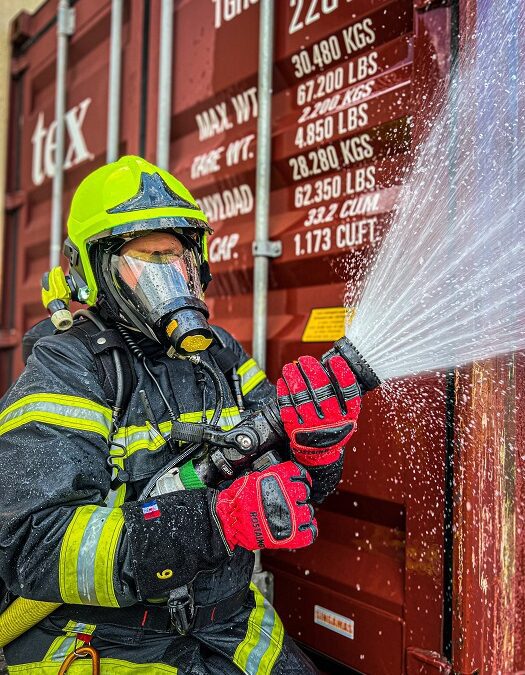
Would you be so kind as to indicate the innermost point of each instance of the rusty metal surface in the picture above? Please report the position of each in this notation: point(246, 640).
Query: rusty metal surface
point(424, 662)
point(489, 519)
point(489, 572)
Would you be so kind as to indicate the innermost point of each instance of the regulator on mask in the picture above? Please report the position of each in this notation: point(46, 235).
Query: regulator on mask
point(155, 279)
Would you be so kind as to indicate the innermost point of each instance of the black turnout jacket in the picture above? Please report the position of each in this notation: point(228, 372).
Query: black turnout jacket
point(70, 535)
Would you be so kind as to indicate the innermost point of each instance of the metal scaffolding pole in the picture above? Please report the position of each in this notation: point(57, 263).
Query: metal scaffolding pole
point(115, 69)
point(263, 249)
point(65, 28)
point(164, 100)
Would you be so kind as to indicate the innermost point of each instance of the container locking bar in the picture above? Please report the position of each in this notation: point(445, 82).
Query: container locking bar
point(267, 249)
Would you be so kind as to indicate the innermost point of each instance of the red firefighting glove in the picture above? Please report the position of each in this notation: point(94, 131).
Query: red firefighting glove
point(319, 408)
point(268, 509)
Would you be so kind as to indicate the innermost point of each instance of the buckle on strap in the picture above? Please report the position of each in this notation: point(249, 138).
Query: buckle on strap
point(181, 607)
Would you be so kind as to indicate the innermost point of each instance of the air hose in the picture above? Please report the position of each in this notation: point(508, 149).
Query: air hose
point(191, 448)
point(21, 615)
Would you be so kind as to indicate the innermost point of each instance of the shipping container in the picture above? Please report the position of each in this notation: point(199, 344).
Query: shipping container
point(394, 583)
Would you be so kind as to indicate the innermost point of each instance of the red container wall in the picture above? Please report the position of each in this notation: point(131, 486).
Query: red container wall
point(31, 157)
point(351, 82)
point(348, 87)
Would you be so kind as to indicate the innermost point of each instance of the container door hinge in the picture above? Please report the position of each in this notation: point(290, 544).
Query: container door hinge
point(66, 19)
point(427, 662)
point(267, 249)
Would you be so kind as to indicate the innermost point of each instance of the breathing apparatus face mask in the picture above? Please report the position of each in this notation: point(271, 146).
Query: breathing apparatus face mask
point(157, 277)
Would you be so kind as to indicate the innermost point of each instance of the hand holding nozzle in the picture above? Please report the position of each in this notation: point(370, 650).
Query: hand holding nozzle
point(319, 406)
point(252, 441)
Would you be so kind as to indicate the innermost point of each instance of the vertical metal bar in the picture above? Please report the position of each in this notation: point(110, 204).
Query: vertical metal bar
point(262, 184)
point(448, 524)
point(115, 68)
point(143, 120)
point(164, 100)
point(65, 28)
point(262, 208)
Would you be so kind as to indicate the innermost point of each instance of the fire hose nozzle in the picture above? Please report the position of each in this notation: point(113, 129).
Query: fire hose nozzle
point(365, 376)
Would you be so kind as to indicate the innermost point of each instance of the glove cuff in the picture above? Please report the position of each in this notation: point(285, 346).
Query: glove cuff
point(317, 458)
point(224, 510)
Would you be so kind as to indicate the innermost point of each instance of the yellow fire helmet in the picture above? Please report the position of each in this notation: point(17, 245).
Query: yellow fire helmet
point(121, 200)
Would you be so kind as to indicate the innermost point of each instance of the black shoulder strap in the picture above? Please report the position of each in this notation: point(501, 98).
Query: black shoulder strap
point(224, 357)
point(101, 344)
point(227, 361)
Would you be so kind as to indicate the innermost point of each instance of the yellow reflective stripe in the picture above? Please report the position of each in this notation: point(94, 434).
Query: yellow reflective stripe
point(126, 432)
point(246, 366)
point(263, 642)
point(55, 420)
point(64, 645)
point(228, 416)
point(251, 375)
point(59, 410)
point(136, 438)
point(251, 639)
point(59, 399)
point(85, 667)
point(77, 627)
point(253, 382)
point(87, 556)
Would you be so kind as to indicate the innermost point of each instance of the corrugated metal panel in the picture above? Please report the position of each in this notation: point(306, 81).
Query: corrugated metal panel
point(32, 127)
point(348, 84)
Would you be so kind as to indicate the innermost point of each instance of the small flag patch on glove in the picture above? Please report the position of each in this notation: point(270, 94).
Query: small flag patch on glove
point(150, 510)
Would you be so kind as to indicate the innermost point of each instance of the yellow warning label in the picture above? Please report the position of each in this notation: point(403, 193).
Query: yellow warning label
point(327, 324)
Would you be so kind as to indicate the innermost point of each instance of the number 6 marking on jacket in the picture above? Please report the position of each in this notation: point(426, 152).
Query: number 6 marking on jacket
point(165, 574)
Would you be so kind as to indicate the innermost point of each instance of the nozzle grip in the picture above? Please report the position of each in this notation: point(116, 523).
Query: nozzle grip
point(365, 376)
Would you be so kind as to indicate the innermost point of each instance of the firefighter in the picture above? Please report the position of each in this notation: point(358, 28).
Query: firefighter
point(147, 579)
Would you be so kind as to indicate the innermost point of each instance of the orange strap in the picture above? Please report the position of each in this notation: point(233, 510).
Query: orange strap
point(82, 653)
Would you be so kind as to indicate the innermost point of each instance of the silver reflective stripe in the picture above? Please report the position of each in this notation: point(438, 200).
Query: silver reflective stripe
point(87, 553)
point(64, 649)
point(116, 497)
point(229, 418)
point(135, 438)
point(267, 624)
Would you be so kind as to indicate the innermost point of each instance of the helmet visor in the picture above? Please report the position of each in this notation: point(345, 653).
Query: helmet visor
point(155, 272)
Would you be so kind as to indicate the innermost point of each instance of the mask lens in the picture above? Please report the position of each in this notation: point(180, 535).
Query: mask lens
point(155, 271)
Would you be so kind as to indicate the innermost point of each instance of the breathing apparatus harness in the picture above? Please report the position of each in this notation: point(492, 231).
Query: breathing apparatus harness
point(217, 455)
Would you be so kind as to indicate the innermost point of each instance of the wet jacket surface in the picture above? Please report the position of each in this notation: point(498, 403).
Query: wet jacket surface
point(65, 534)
